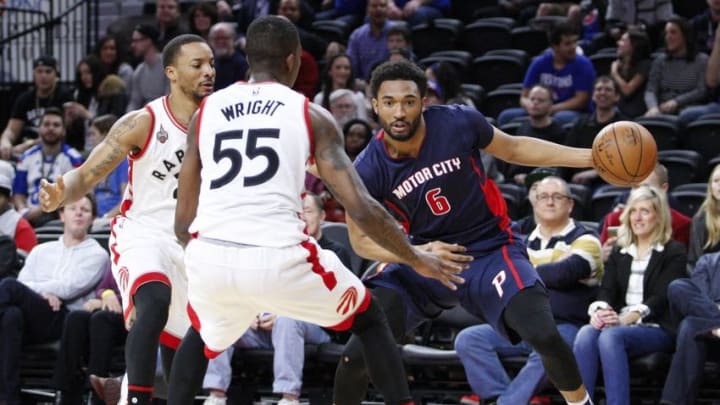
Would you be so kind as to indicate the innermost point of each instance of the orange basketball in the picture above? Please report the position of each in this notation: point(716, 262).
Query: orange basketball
point(624, 153)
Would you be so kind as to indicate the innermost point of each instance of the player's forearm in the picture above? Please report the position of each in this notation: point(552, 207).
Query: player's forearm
point(76, 186)
point(366, 247)
point(537, 152)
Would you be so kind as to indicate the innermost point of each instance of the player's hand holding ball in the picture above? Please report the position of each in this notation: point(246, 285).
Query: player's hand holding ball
point(624, 153)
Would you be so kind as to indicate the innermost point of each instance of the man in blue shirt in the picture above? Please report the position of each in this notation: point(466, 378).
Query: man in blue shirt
point(367, 46)
point(570, 76)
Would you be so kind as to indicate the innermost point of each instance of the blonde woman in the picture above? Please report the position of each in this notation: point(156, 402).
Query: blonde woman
point(705, 228)
point(631, 315)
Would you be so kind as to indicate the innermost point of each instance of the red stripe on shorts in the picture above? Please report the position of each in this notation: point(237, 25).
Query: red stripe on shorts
point(328, 278)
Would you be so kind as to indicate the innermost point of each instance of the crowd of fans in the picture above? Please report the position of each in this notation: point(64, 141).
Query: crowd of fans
point(666, 66)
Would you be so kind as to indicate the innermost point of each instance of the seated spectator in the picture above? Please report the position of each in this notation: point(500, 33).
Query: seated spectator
point(651, 14)
point(606, 94)
point(680, 224)
point(301, 14)
point(109, 192)
point(112, 98)
point(168, 22)
point(339, 75)
point(230, 63)
point(399, 37)
point(540, 125)
point(350, 11)
point(677, 77)
point(342, 106)
point(83, 108)
point(631, 70)
point(631, 316)
point(367, 46)
point(417, 11)
point(201, 17)
point(112, 61)
point(444, 86)
point(705, 227)
point(47, 160)
point(695, 302)
point(287, 336)
point(570, 77)
point(58, 277)
point(12, 223)
point(89, 336)
point(148, 79)
point(705, 26)
point(567, 257)
point(524, 226)
point(23, 126)
point(712, 81)
point(358, 134)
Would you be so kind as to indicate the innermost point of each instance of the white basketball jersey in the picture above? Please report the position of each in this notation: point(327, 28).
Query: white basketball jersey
point(151, 193)
point(254, 143)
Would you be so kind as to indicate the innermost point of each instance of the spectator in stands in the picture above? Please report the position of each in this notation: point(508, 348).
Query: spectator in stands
point(83, 108)
point(106, 50)
point(90, 335)
point(705, 227)
point(367, 46)
point(358, 134)
point(308, 77)
point(677, 76)
point(705, 26)
point(570, 76)
point(524, 226)
point(300, 14)
point(540, 125)
point(605, 97)
point(230, 63)
point(696, 303)
point(287, 336)
point(342, 106)
point(109, 192)
point(12, 223)
point(22, 128)
point(47, 160)
point(631, 71)
point(169, 24)
point(350, 11)
point(631, 316)
point(58, 277)
point(650, 14)
point(444, 81)
point(243, 12)
point(680, 224)
point(339, 75)
point(417, 11)
point(112, 97)
point(148, 79)
point(398, 37)
point(201, 17)
point(712, 81)
point(567, 257)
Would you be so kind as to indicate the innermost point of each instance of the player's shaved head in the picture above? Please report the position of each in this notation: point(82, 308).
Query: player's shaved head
point(270, 40)
point(172, 49)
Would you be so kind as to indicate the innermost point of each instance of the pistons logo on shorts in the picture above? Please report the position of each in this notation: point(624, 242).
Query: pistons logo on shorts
point(124, 277)
point(347, 301)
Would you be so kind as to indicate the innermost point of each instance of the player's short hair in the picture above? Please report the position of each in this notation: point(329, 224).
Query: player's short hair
point(401, 70)
point(53, 111)
point(270, 39)
point(172, 49)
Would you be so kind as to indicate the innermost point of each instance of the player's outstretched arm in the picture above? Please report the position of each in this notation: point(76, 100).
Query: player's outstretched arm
point(527, 151)
point(342, 180)
point(188, 185)
point(127, 134)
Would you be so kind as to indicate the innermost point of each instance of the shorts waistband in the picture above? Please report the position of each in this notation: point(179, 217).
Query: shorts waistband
point(225, 242)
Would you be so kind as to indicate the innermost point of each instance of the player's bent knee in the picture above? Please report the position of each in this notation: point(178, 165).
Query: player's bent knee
point(372, 317)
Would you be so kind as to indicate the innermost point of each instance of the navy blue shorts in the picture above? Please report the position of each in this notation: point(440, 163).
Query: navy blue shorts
point(490, 282)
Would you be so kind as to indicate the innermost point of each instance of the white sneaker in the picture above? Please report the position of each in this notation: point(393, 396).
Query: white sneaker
point(288, 402)
point(215, 400)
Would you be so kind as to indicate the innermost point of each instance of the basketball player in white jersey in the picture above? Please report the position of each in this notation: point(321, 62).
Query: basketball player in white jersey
point(240, 187)
point(147, 261)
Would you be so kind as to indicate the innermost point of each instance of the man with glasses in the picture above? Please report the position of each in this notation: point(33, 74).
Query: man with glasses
point(148, 80)
point(567, 256)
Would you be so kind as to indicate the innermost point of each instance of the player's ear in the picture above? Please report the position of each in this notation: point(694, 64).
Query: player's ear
point(374, 102)
point(171, 73)
point(425, 102)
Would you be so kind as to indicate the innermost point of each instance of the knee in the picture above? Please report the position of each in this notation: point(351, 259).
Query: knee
point(8, 284)
point(12, 318)
point(584, 339)
point(544, 340)
point(152, 300)
point(610, 340)
point(472, 338)
point(678, 289)
point(75, 320)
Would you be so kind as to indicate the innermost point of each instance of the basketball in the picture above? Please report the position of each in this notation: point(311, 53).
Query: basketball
point(624, 153)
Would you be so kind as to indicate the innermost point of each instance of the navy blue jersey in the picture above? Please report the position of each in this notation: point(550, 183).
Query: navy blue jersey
point(443, 194)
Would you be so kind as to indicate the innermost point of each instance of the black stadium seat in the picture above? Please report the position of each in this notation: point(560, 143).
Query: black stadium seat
point(665, 131)
point(702, 136)
point(530, 40)
point(684, 166)
point(492, 71)
point(500, 99)
point(601, 202)
point(437, 35)
point(482, 36)
point(689, 200)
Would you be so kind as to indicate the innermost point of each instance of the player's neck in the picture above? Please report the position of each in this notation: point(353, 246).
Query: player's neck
point(182, 107)
point(406, 149)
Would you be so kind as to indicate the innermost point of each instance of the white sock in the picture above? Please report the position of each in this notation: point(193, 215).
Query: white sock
point(584, 401)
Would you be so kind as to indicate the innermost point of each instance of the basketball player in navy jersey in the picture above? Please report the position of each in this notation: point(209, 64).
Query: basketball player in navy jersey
point(425, 167)
point(147, 261)
point(239, 205)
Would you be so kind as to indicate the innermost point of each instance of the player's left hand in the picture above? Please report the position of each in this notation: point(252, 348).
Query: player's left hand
point(51, 194)
point(449, 251)
point(432, 265)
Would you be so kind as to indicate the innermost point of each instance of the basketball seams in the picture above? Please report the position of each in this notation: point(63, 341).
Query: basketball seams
point(623, 156)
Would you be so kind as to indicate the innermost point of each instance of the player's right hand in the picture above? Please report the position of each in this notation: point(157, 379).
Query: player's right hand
point(449, 251)
point(51, 194)
point(433, 265)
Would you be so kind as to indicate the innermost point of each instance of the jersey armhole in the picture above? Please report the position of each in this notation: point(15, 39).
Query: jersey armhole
point(136, 156)
point(308, 125)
